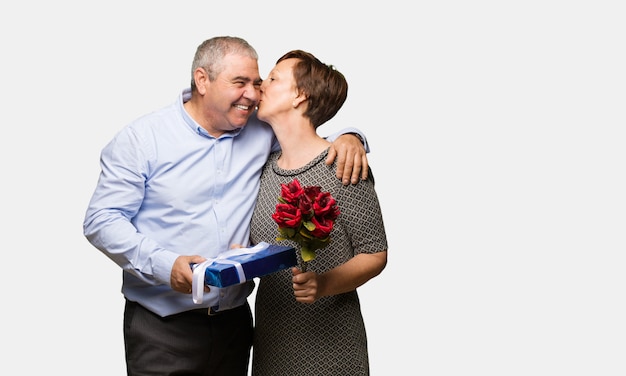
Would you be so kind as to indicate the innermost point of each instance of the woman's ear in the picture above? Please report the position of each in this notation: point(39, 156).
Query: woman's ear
point(300, 97)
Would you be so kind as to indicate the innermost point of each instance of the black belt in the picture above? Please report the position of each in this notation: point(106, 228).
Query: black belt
point(214, 311)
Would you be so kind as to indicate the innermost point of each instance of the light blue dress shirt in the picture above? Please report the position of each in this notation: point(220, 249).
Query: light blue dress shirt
point(167, 188)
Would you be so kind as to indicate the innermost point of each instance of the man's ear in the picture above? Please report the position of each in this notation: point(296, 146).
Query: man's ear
point(201, 77)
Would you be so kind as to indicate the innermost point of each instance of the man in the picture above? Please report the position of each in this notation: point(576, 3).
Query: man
point(178, 186)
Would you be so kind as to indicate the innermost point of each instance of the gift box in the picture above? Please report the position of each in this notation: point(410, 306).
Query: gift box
point(240, 265)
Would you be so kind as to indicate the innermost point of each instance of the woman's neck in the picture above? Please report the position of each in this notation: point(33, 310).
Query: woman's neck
point(299, 144)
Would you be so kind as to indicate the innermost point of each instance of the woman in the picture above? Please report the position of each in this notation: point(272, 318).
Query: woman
point(310, 323)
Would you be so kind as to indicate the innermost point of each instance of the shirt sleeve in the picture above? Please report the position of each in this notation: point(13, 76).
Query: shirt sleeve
point(333, 136)
point(116, 200)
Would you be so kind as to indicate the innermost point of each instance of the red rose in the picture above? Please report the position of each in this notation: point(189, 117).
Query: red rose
point(312, 191)
point(305, 204)
point(287, 215)
point(323, 227)
point(325, 206)
point(291, 192)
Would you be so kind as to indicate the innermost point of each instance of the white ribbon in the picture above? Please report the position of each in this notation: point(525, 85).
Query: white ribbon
point(199, 270)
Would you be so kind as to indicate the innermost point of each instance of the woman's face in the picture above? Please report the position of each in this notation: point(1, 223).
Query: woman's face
point(278, 92)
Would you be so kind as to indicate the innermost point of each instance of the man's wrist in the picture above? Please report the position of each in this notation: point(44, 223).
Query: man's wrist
point(358, 136)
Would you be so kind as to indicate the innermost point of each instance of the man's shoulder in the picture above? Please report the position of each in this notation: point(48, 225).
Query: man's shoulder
point(164, 115)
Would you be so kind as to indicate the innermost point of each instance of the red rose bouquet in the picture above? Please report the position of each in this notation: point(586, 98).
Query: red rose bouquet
point(305, 215)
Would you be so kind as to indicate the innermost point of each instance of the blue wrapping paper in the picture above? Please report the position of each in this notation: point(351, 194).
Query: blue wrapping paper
point(221, 273)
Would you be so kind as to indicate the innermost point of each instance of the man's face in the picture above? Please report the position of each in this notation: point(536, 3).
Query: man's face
point(234, 95)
